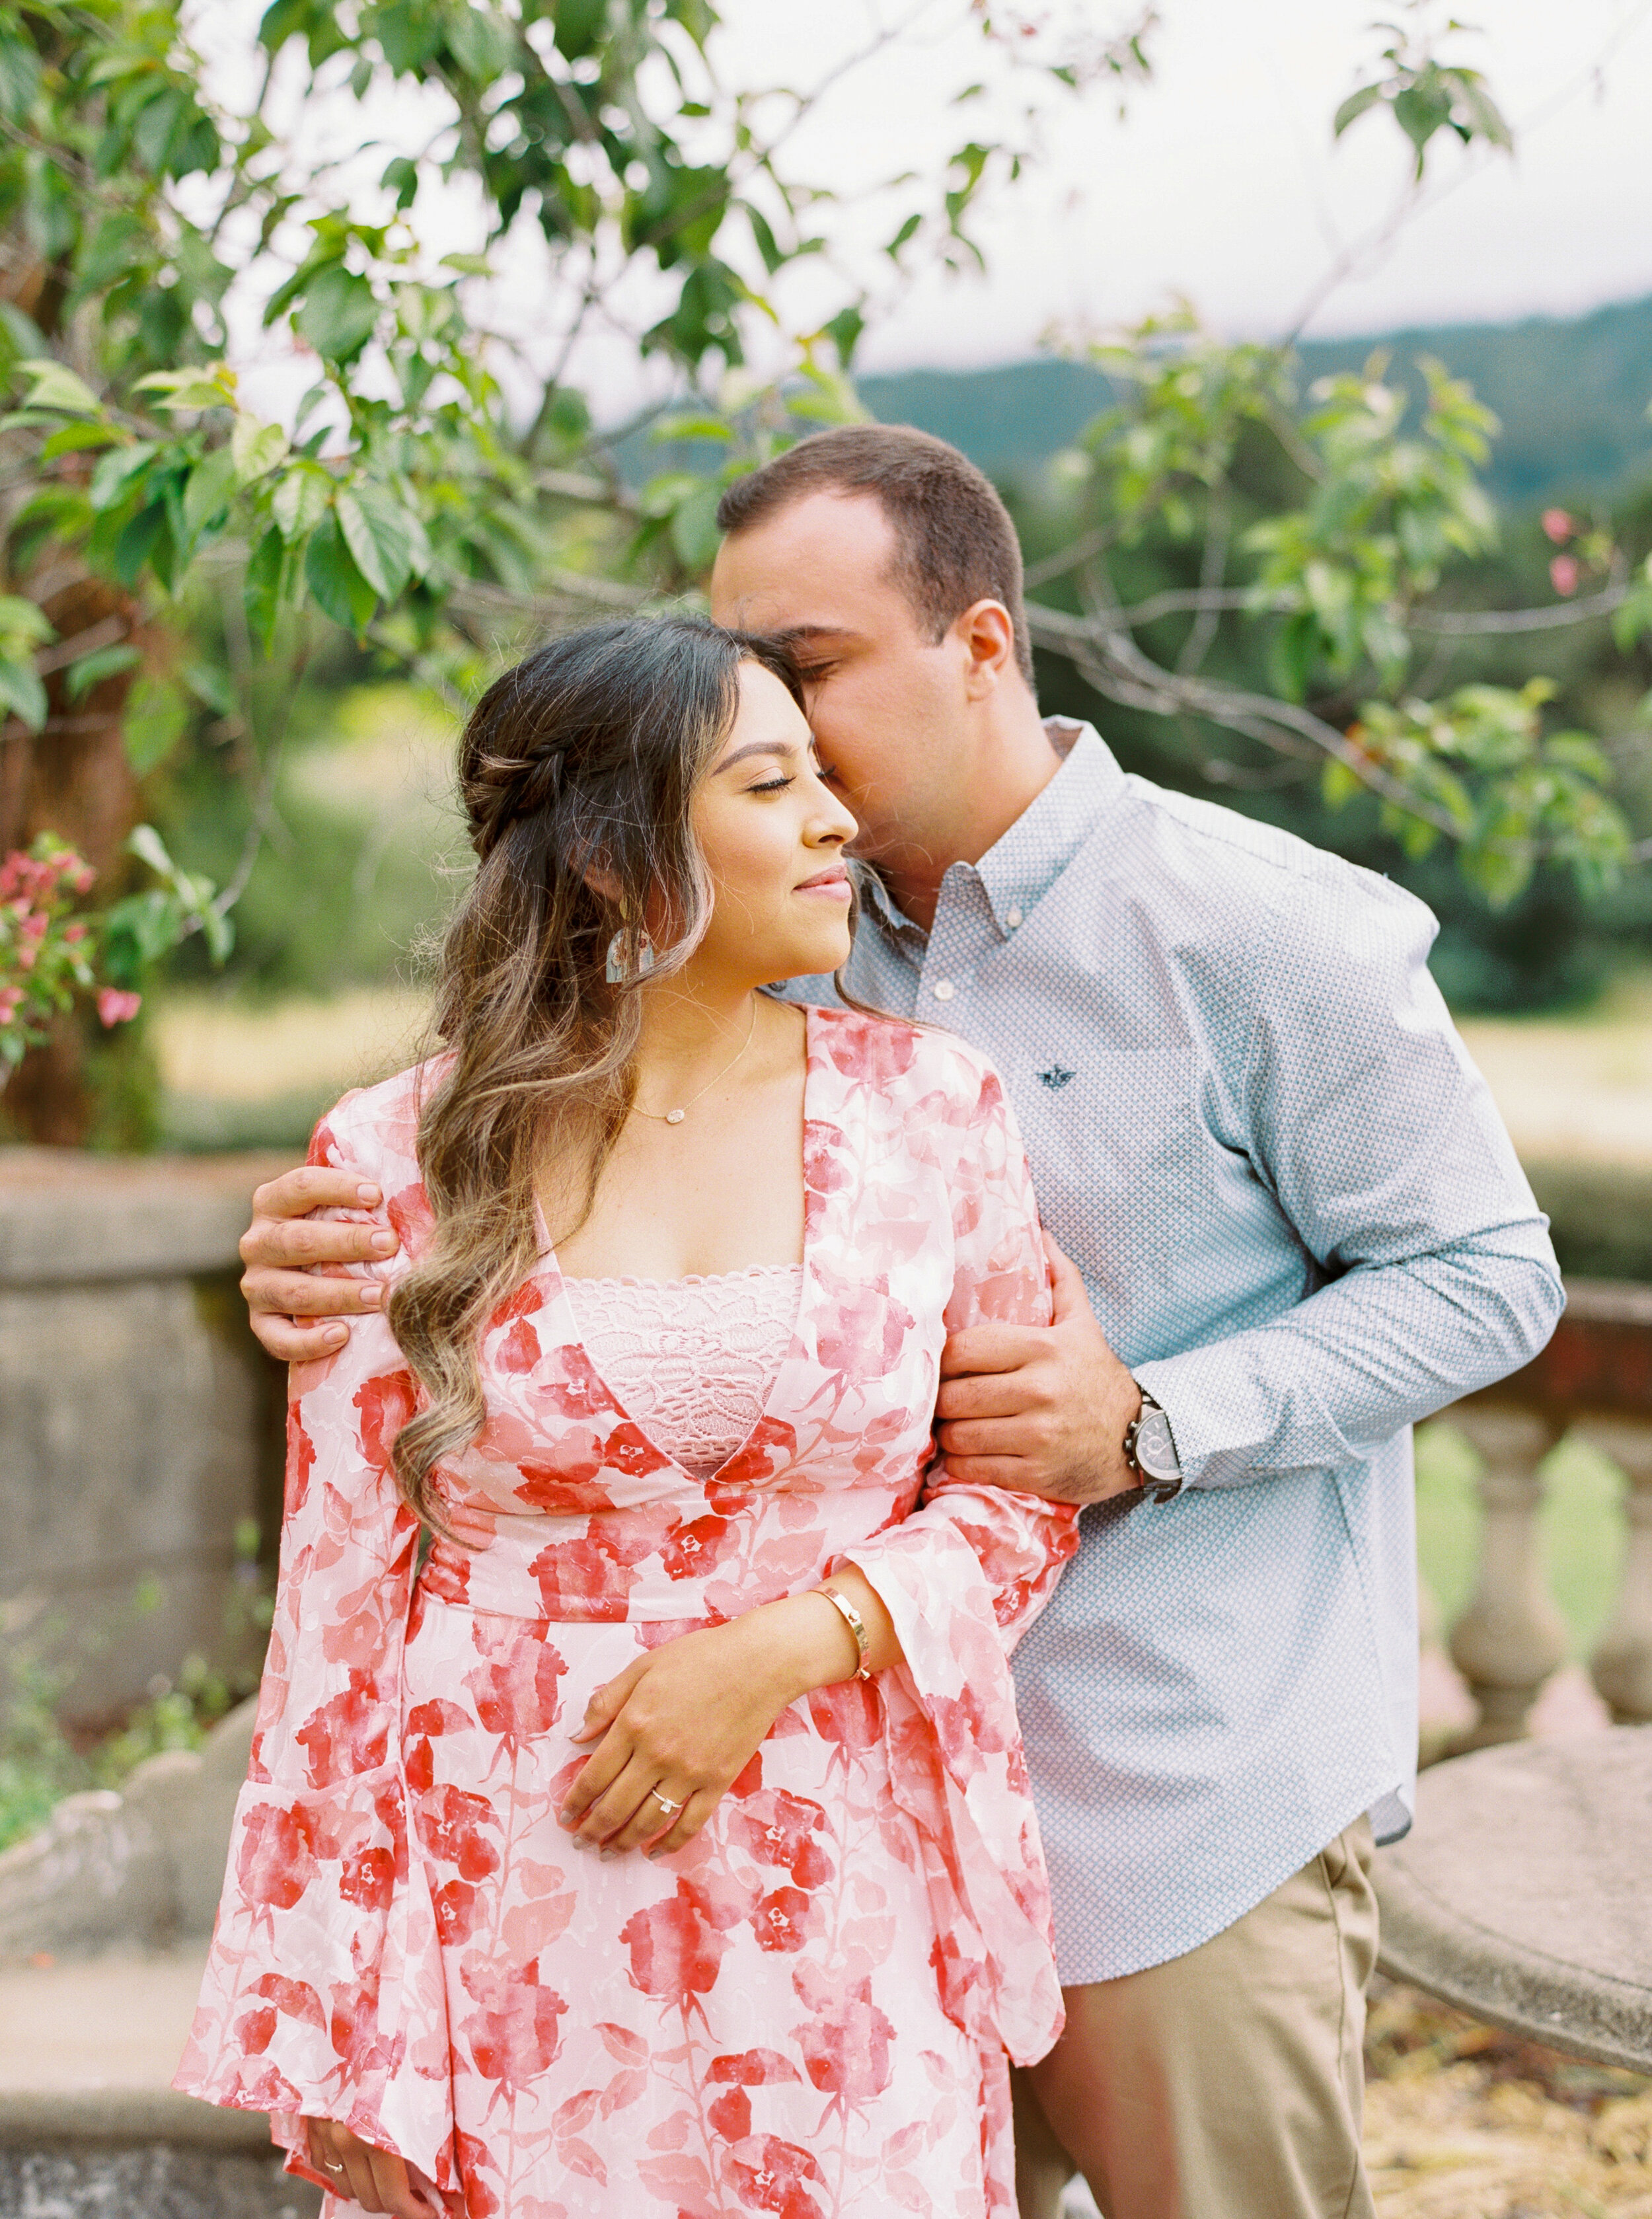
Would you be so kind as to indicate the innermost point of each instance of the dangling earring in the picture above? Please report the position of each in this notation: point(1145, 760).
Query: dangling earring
point(617, 971)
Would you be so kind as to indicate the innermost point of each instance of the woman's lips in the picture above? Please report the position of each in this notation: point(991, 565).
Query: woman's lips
point(833, 885)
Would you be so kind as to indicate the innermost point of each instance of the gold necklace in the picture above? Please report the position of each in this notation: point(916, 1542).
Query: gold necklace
point(676, 1116)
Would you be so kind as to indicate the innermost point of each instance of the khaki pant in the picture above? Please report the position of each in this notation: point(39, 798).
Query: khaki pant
point(1227, 2084)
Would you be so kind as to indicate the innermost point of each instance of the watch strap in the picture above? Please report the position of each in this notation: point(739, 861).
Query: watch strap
point(1158, 1484)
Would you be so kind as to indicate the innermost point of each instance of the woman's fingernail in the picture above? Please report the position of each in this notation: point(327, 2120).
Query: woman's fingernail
point(337, 1335)
point(383, 1244)
point(372, 1295)
point(370, 1195)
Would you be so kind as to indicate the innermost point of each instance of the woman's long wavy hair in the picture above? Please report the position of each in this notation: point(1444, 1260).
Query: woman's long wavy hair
point(577, 771)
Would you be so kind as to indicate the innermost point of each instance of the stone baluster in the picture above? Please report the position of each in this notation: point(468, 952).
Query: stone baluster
point(1511, 1636)
point(1622, 1665)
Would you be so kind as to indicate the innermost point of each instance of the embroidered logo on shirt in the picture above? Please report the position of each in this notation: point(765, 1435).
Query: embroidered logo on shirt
point(1056, 1076)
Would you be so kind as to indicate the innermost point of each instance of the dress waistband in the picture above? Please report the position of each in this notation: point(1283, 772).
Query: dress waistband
point(669, 1560)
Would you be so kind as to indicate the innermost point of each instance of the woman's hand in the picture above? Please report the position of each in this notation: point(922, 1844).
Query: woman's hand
point(687, 1718)
point(372, 2178)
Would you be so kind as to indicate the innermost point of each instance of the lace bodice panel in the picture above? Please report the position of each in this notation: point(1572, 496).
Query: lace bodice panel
point(691, 1360)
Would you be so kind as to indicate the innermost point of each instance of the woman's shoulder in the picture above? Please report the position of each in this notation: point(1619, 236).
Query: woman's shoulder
point(902, 1060)
point(375, 1129)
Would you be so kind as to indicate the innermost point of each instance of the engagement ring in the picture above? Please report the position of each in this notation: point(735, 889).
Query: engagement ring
point(665, 1802)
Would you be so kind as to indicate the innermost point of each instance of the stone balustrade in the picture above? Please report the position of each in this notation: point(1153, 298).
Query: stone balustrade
point(139, 1423)
point(1593, 1379)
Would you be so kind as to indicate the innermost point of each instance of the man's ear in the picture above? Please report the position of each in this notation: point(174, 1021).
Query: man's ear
point(987, 634)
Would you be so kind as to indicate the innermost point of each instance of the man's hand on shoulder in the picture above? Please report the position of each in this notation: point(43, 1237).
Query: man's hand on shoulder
point(1042, 1409)
point(298, 1311)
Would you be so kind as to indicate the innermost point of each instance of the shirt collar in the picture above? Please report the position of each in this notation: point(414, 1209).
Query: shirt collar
point(1021, 866)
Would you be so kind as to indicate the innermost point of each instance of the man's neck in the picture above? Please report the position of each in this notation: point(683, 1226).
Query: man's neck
point(1016, 762)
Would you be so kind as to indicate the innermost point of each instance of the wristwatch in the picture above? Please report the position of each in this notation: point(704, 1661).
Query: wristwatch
point(1149, 1451)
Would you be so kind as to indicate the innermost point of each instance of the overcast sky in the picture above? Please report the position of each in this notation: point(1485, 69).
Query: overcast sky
point(1222, 180)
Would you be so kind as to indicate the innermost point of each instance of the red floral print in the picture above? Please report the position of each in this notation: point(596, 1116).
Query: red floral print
point(808, 2012)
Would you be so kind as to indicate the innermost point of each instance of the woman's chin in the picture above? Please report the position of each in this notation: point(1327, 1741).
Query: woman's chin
point(817, 956)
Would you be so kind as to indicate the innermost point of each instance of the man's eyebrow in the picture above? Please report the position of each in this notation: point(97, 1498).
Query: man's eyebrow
point(756, 747)
point(795, 634)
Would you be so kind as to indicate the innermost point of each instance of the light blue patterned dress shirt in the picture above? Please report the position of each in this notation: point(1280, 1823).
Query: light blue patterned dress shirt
point(1252, 1126)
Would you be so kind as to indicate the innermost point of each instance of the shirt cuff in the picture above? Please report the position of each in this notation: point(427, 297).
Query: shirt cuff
point(1224, 1423)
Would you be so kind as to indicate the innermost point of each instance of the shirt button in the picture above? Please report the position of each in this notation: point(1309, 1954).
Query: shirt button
point(1012, 919)
point(942, 989)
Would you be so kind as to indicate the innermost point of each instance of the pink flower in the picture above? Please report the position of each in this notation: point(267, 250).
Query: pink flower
point(1558, 525)
point(74, 934)
point(116, 1008)
point(10, 1002)
point(846, 2046)
point(516, 1694)
point(1563, 574)
point(675, 1950)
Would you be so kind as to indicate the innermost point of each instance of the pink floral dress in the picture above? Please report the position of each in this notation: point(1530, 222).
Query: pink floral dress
point(807, 2011)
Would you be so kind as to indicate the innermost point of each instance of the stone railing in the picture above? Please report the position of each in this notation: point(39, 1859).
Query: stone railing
point(139, 1423)
point(1594, 1378)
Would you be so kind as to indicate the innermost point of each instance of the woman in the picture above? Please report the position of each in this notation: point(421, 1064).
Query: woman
point(678, 1262)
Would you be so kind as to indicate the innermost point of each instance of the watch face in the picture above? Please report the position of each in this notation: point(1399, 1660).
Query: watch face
point(1155, 1449)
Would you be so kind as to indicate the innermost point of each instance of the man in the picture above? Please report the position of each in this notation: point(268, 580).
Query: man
point(1297, 1227)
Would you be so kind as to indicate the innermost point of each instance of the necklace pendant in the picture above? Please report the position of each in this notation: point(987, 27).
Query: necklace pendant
point(675, 1116)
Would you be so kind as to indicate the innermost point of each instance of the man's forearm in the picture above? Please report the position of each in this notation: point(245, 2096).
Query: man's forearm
point(1377, 1350)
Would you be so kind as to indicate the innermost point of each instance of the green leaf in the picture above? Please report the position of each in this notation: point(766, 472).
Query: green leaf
point(694, 532)
point(579, 24)
point(112, 479)
point(23, 694)
point(24, 623)
point(1354, 106)
point(90, 670)
point(401, 177)
point(73, 438)
point(212, 484)
point(139, 930)
point(146, 844)
point(154, 723)
point(907, 231)
point(1338, 785)
point(341, 592)
point(256, 448)
point(380, 537)
point(301, 501)
point(145, 539)
point(190, 389)
point(844, 331)
point(211, 685)
point(767, 245)
point(1501, 873)
point(261, 588)
point(692, 428)
point(218, 931)
point(51, 385)
point(339, 313)
point(479, 43)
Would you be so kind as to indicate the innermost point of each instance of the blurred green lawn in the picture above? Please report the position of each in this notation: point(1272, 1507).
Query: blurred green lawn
point(1581, 1531)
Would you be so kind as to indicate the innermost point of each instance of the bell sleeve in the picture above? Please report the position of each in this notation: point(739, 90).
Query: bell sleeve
point(324, 1994)
point(962, 1578)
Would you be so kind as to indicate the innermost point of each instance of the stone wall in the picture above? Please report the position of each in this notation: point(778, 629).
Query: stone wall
point(138, 1419)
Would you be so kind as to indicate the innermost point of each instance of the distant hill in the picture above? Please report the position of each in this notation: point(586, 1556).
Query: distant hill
point(1572, 396)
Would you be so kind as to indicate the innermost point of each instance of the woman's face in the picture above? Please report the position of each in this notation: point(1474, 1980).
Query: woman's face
point(772, 837)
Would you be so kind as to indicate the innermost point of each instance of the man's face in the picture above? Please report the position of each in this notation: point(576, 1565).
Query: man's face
point(886, 703)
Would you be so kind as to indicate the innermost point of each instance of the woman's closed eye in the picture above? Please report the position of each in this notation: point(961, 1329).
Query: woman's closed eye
point(771, 786)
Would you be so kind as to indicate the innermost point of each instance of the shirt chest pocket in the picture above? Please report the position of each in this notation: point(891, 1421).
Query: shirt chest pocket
point(1115, 1142)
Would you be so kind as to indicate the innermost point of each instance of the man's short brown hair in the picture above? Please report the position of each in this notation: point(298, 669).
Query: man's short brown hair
point(955, 544)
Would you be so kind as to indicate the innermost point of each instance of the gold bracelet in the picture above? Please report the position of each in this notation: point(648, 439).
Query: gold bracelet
point(855, 1623)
